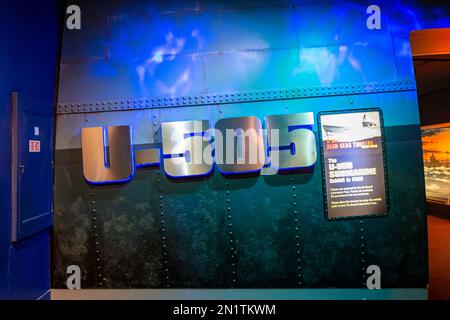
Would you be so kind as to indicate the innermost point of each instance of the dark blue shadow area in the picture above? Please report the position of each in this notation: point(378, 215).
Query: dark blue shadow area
point(29, 37)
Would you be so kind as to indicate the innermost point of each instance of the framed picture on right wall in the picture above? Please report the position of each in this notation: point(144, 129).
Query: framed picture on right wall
point(436, 156)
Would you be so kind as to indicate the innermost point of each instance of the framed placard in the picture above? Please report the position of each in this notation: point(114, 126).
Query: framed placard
point(353, 163)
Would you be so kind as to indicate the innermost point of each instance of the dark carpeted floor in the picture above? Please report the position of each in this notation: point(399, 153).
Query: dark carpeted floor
point(439, 257)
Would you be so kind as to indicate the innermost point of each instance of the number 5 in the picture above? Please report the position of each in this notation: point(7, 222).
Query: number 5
point(184, 145)
point(297, 143)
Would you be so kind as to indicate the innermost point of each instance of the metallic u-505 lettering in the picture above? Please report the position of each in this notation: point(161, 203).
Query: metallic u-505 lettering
point(190, 148)
point(296, 147)
point(239, 145)
point(107, 154)
point(184, 143)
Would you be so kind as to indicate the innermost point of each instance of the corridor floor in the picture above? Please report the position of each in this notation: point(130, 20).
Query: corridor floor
point(439, 257)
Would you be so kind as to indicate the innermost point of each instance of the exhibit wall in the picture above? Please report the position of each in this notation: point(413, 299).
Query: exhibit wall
point(142, 64)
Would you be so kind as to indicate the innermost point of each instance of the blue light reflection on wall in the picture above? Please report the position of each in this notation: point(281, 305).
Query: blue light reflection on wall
point(143, 49)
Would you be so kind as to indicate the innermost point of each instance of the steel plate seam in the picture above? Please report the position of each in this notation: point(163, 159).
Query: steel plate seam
point(235, 97)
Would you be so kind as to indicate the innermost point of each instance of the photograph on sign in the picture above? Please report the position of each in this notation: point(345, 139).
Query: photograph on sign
point(353, 166)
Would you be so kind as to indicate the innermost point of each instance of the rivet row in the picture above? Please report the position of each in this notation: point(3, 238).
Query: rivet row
point(231, 238)
point(97, 250)
point(363, 248)
point(244, 96)
point(298, 247)
point(163, 235)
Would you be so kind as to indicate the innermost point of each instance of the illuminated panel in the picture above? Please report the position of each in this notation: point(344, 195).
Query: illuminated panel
point(107, 155)
point(353, 163)
point(436, 156)
point(186, 149)
point(296, 145)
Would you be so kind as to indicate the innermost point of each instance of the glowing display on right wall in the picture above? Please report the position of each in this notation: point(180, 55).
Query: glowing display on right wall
point(436, 155)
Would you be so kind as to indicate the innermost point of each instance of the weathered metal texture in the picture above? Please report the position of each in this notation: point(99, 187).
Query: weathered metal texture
point(252, 232)
point(281, 238)
point(141, 63)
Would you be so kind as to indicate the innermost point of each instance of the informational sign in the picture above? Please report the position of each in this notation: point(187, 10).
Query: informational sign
point(34, 146)
point(353, 165)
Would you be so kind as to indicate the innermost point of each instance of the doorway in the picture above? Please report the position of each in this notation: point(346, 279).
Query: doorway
point(431, 56)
